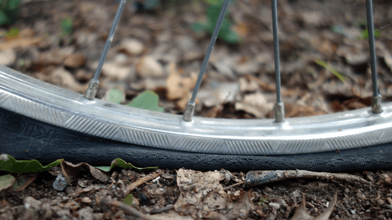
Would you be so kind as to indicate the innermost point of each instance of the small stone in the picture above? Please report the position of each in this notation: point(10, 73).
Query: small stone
point(60, 184)
point(132, 46)
point(31, 202)
point(7, 57)
point(86, 213)
point(274, 205)
point(148, 66)
point(75, 60)
point(352, 212)
point(86, 200)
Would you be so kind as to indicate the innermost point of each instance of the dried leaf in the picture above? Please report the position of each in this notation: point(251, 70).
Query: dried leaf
point(75, 60)
point(302, 213)
point(178, 87)
point(6, 181)
point(71, 172)
point(23, 181)
point(132, 46)
point(255, 104)
point(20, 43)
point(200, 189)
point(148, 66)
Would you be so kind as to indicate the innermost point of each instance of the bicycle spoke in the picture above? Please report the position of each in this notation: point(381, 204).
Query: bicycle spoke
point(279, 105)
point(190, 108)
point(376, 98)
point(94, 83)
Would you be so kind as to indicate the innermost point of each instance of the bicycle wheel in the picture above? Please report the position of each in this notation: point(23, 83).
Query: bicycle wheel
point(45, 122)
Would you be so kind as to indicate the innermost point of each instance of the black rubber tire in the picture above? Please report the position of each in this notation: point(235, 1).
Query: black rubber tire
point(26, 138)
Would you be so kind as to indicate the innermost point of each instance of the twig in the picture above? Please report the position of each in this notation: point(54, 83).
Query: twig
point(254, 178)
point(127, 209)
point(164, 209)
point(234, 185)
point(142, 180)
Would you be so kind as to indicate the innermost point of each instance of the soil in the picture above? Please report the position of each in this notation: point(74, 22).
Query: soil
point(158, 50)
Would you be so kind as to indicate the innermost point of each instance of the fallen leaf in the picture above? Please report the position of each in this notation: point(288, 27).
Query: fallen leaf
point(6, 181)
point(248, 85)
point(132, 46)
point(178, 87)
point(75, 60)
point(20, 43)
point(255, 104)
point(303, 214)
point(200, 189)
point(148, 66)
point(65, 79)
point(221, 94)
point(71, 171)
point(128, 199)
point(115, 95)
point(118, 162)
point(114, 70)
point(23, 181)
point(148, 100)
point(9, 164)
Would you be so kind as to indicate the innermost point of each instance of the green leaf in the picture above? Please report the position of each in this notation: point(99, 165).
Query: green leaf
point(115, 95)
point(128, 199)
point(121, 163)
point(3, 18)
point(13, 32)
point(10, 164)
point(147, 100)
point(118, 162)
point(365, 34)
point(6, 181)
point(104, 168)
point(66, 26)
point(338, 74)
point(13, 4)
point(198, 27)
point(225, 32)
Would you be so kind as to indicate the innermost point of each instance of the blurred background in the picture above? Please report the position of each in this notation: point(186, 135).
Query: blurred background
point(160, 44)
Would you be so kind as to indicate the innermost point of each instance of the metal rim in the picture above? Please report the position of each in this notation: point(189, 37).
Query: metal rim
point(41, 101)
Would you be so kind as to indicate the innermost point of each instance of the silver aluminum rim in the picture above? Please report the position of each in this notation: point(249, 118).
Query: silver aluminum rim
point(44, 102)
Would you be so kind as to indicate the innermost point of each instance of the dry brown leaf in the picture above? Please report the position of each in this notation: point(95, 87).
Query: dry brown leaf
point(178, 87)
point(71, 171)
point(114, 70)
point(20, 43)
point(200, 189)
point(255, 104)
point(248, 85)
point(65, 79)
point(223, 93)
point(302, 213)
point(75, 60)
point(147, 66)
point(132, 46)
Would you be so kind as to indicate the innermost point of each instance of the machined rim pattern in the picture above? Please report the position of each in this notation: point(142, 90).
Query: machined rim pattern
point(41, 101)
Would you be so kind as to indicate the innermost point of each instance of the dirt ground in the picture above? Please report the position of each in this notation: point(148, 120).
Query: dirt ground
point(157, 49)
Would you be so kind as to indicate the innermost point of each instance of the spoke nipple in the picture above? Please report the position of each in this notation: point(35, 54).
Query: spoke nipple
point(92, 89)
point(376, 104)
point(279, 112)
point(189, 111)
